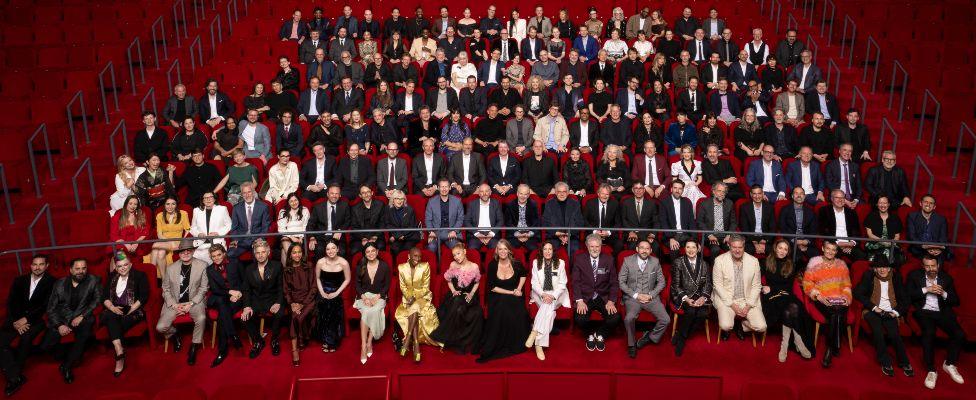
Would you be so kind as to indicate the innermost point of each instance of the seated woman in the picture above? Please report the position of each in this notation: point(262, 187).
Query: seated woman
point(154, 186)
point(400, 215)
point(885, 301)
point(125, 181)
point(613, 171)
point(749, 136)
point(880, 223)
point(210, 219)
point(357, 132)
point(648, 130)
point(382, 100)
point(415, 314)
point(372, 289)
point(368, 46)
point(460, 312)
point(615, 47)
point(292, 218)
point(516, 72)
point(691, 292)
point(549, 293)
point(187, 140)
point(257, 101)
point(689, 171)
point(453, 134)
point(599, 101)
point(282, 178)
point(644, 47)
point(171, 223)
point(300, 289)
point(126, 292)
point(333, 277)
point(130, 224)
point(239, 172)
point(773, 77)
point(577, 174)
point(535, 98)
point(828, 283)
point(507, 326)
point(227, 139)
point(279, 100)
point(710, 133)
point(779, 304)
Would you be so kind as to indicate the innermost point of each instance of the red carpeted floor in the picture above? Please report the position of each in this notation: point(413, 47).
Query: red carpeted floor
point(150, 371)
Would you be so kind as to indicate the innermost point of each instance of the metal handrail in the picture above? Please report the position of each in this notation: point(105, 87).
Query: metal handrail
point(843, 40)
point(159, 26)
point(199, 12)
point(46, 211)
point(935, 119)
point(84, 167)
point(177, 22)
point(776, 10)
point(232, 19)
point(856, 94)
point(132, 63)
point(823, 21)
point(150, 95)
point(42, 130)
point(813, 47)
point(963, 128)
point(119, 128)
point(895, 67)
point(6, 194)
point(885, 127)
point(831, 68)
point(808, 8)
point(218, 38)
point(791, 22)
point(867, 60)
point(169, 73)
point(196, 57)
point(109, 67)
point(961, 210)
point(919, 163)
point(80, 98)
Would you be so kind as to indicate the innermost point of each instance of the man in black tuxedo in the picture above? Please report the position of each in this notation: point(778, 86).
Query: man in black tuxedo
point(934, 296)
point(691, 101)
point(602, 212)
point(224, 281)
point(215, 106)
point(828, 219)
point(316, 174)
point(506, 46)
point(329, 215)
point(427, 169)
point(264, 295)
point(504, 171)
point(757, 227)
point(26, 305)
point(677, 213)
point(602, 68)
point(798, 218)
point(638, 212)
point(354, 172)
point(817, 99)
point(150, 140)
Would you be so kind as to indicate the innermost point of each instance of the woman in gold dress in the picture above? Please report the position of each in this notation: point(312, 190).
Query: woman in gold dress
point(416, 313)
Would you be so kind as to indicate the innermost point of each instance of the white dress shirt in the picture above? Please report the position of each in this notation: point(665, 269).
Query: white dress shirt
point(768, 185)
point(213, 106)
point(806, 181)
point(465, 167)
point(841, 223)
point(677, 212)
point(247, 135)
point(429, 166)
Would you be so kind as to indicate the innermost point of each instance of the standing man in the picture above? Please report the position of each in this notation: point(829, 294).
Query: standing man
point(641, 281)
point(26, 304)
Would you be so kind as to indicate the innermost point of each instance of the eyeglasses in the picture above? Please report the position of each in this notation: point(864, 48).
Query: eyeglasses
point(888, 159)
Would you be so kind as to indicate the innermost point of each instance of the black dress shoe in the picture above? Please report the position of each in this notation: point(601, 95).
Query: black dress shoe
point(66, 374)
point(221, 356)
point(631, 352)
point(275, 347)
point(590, 343)
point(724, 336)
point(827, 358)
point(191, 358)
point(887, 370)
point(679, 347)
point(119, 357)
point(644, 340)
point(177, 344)
point(908, 370)
point(739, 333)
point(14, 385)
point(236, 342)
point(256, 349)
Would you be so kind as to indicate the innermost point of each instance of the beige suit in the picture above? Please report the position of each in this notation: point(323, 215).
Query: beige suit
point(560, 131)
point(197, 292)
point(723, 292)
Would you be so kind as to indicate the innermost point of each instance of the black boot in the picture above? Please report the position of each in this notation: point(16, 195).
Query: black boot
point(66, 373)
point(827, 358)
point(275, 347)
point(191, 358)
point(236, 342)
point(221, 356)
point(177, 344)
point(256, 349)
point(13, 385)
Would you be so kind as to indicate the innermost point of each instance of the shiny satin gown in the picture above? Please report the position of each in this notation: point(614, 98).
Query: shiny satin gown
point(415, 284)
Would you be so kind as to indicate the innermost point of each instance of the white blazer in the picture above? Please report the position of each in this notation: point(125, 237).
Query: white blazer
point(219, 223)
point(559, 291)
point(518, 31)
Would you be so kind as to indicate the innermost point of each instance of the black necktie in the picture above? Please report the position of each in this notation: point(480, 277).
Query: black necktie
point(332, 215)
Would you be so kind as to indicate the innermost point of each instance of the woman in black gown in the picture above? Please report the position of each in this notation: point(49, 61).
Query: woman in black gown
point(460, 312)
point(780, 304)
point(507, 326)
point(333, 277)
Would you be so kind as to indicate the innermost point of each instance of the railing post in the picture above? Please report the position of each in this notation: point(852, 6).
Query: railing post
point(791, 22)
point(179, 20)
point(84, 167)
point(813, 46)
point(159, 35)
point(963, 128)
point(808, 7)
point(232, 17)
point(196, 57)
point(119, 128)
point(831, 76)
point(109, 67)
point(921, 164)
point(935, 120)
point(46, 212)
point(886, 127)
point(169, 73)
point(895, 67)
point(6, 194)
point(961, 210)
point(824, 28)
point(855, 95)
point(150, 95)
point(876, 62)
point(41, 130)
point(135, 62)
point(844, 41)
point(80, 97)
point(218, 38)
point(199, 12)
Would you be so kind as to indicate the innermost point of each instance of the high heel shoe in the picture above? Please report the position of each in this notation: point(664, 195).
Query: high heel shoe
point(295, 361)
point(416, 357)
point(119, 357)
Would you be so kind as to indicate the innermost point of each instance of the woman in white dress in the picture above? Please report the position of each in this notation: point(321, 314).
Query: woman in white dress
point(461, 71)
point(282, 178)
point(643, 46)
point(615, 47)
point(516, 27)
point(549, 293)
point(125, 179)
point(292, 218)
point(689, 171)
point(218, 224)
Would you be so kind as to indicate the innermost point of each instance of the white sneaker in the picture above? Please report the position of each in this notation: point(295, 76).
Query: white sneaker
point(930, 379)
point(953, 373)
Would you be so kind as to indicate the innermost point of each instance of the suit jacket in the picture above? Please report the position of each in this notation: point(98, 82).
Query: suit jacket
point(605, 285)
point(399, 174)
point(419, 171)
point(589, 49)
point(328, 72)
point(623, 100)
point(262, 292)
point(741, 76)
point(452, 99)
point(365, 218)
point(683, 102)
point(591, 211)
point(812, 105)
point(747, 221)
point(496, 218)
point(787, 220)
point(607, 73)
point(706, 25)
point(220, 287)
point(578, 70)
point(833, 176)
point(705, 217)
point(485, 69)
point(794, 176)
point(865, 288)
point(437, 26)
point(526, 48)
point(260, 220)
point(789, 137)
point(630, 219)
point(786, 56)
point(813, 75)
point(723, 281)
point(400, 102)
point(639, 169)
point(455, 214)
point(350, 23)
point(512, 175)
point(668, 218)
point(262, 141)
point(756, 175)
point(576, 134)
point(344, 175)
point(220, 223)
point(473, 103)
point(513, 47)
point(286, 27)
point(336, 49)
point(633, 25)
point(476, 169)
point(169, 111)
point(692, 280)
point(20, 303)
point(306, 51)
point(631, 275)
point(512, 133)
point(553, 218)
point(355, 74)
point(828, 224)
point(197, 289)
point(308, 173)
point(916, 282)
point(782, 101)
point(732, 101)
point(708, 76)
point(319, 218)
point(341, 106)
point(511, 210)
point(560, 132)
point(59, 311)
point(293, 141)
point(143, 145)
point(691, 47)
point(225, 107)
point(305, 103)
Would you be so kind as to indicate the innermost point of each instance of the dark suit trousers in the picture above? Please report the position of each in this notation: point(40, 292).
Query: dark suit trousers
point(398, 246)
point(253, 324)
point(76, 349)
point(12, 360)
point(884, 329)
point(476, 244)
point(243, 246)
point(528, 245)
point(356, 243)
point(225, 318)
point(929, 321)
point(690, 319)
point(118, 325)
point(588, 326)
point(313, 196)
point(836, 322)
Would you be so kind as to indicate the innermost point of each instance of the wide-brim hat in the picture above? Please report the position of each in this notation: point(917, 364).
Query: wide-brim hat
point(186, 244)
